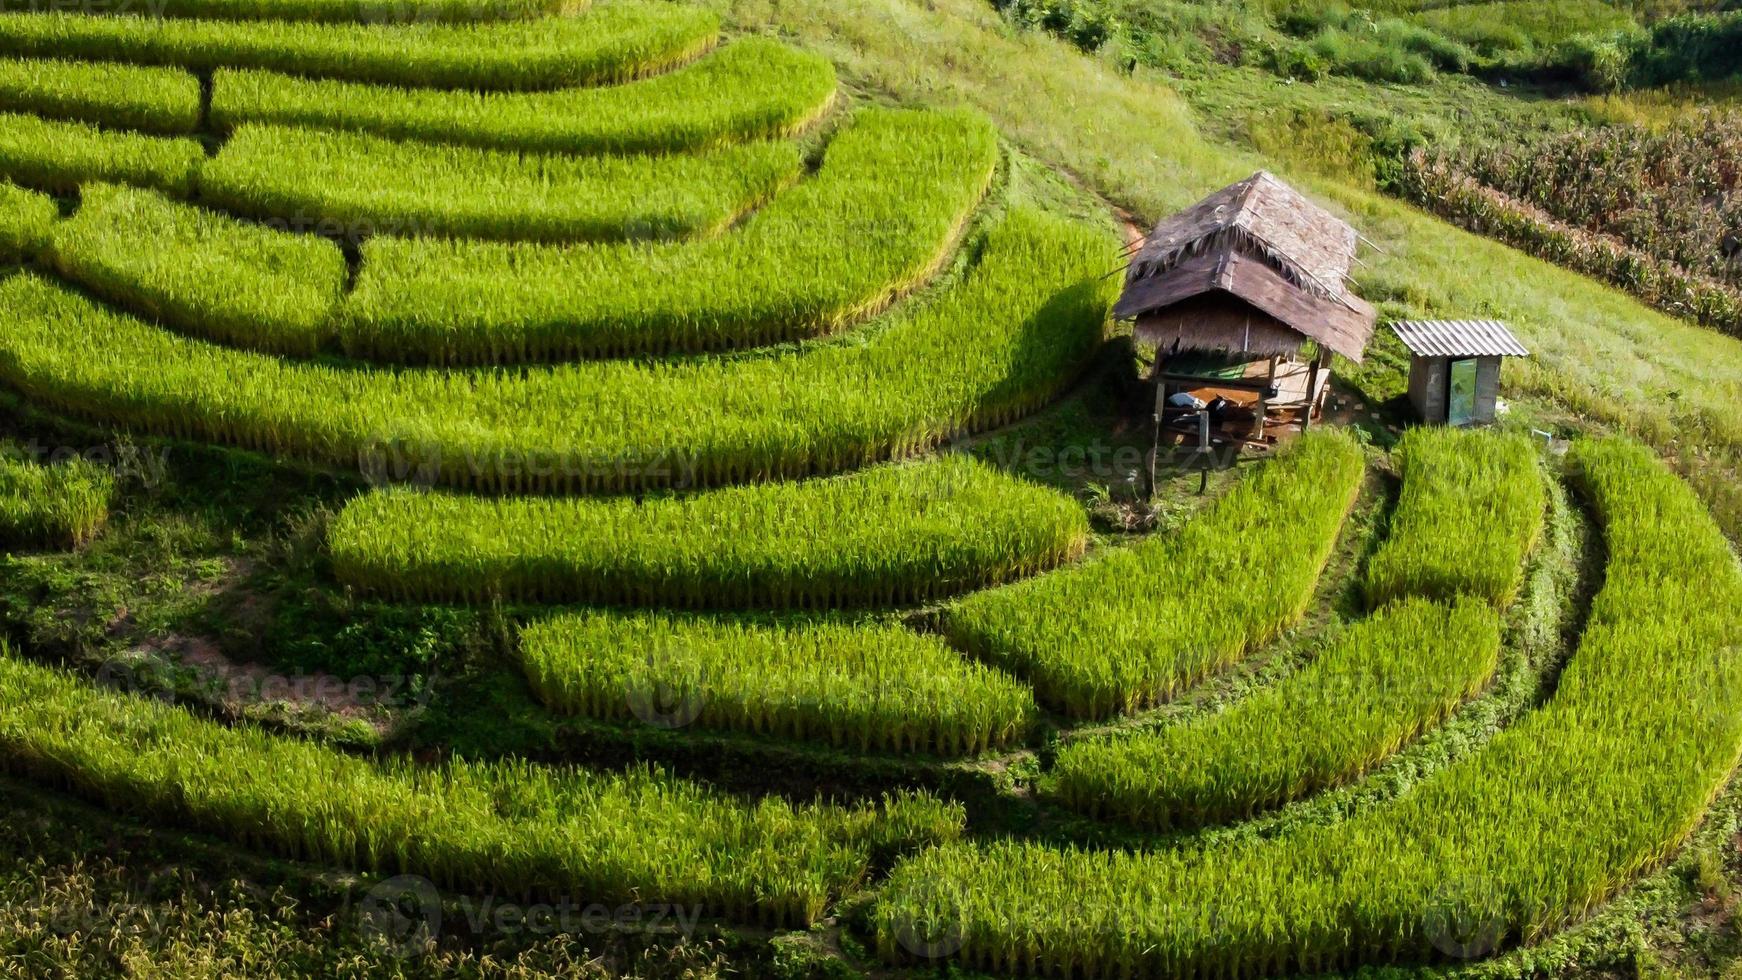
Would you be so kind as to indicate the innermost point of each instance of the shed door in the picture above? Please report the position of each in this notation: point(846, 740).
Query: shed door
point(1461, 392)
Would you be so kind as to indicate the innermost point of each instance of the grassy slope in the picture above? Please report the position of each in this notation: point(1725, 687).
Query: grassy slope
point(1599, 353)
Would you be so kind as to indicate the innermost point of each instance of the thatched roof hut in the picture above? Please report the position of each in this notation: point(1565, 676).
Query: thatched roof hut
point(1253, 269)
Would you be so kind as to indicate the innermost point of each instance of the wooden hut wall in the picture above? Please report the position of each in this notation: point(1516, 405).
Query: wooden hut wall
point(1217, 322)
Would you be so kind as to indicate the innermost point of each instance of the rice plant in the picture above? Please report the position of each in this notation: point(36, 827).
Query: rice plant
point(893, 194)
point(754, 88)
point(324, 11)
point(59, 156)
point(201, 271)
point(885, 536)
point(1470, 513)
point(59, 505)
point(510, 827)
point(1525, 834)
point(1373, 689)
point(861, 686)
point(359, 185)
point(1133, 626)
point(154, 100)
point(26, 217)
point(617, 42)
point(1019, 326)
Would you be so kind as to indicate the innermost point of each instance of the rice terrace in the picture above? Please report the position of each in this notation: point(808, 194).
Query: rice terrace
point(873, 488)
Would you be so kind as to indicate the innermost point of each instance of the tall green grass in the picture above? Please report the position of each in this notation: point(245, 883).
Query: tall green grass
point(885, 536)
point(59, 156)
point(153, 100)
point(524, 830)
point(1133, 626)
point(321, 11)
point(201, 271)
point(1471, 511)
point(1019, 326)
point(862, 686)
point(755, 88)
point(1373, 689)
point(356, 185)
point(617, 42)
point(1530, 832)
point(26, 218)
point(60, 505)
point(895, 190)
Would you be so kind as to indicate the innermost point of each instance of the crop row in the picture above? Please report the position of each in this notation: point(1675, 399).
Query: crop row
point(755, 88)
point(895, 189)
point(59, 505)
point(639, 836)
point(889, 535)
point(59, 156)
point(320, 11)
point(1531, 831)
point(359, 185)
point(26, 220)
point(1372, 689)
point(153, 100)
point(861, 686)
point(1135, 625)
point(1020, 325)
point(1470, 513)
point(617, 42)
point(878, 217)
point(204, 272)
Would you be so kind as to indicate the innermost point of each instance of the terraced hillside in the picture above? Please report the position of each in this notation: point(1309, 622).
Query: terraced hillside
point(554, 458)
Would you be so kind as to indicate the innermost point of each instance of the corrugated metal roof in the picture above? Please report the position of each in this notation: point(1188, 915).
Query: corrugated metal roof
point(1458, 338)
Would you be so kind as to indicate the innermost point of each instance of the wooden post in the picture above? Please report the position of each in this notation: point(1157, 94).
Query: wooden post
point(1155, 425)
point(1321, 360)
point(1264, 402)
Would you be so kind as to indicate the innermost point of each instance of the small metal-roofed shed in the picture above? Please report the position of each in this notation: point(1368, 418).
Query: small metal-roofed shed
point(1454, 368)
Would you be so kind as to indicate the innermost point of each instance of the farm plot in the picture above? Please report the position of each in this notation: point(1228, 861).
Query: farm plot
point(1133, 626)
point(328, 11)
point(895, 189)
point(616, 42)
point(1373, 689)
point(861, 686)
point(885, 536)
point(61, 505)
point(201, 271)
point(59, 156)
point(153, 100)
point(1019, 326)
point(1531, 831)
point(356, 185)
point(755, 88)
point(26, 218)
point(511, 827)
point(1471, 511)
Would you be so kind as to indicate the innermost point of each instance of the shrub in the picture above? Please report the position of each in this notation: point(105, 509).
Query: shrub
point(200, 271)
point(358, 186)
point(756, 88)
point(883, 536)
point(1134, 626)
point(895, 190)
point(861, 686)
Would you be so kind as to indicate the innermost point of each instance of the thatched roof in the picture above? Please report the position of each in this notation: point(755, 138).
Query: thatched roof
point(1283, 258)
